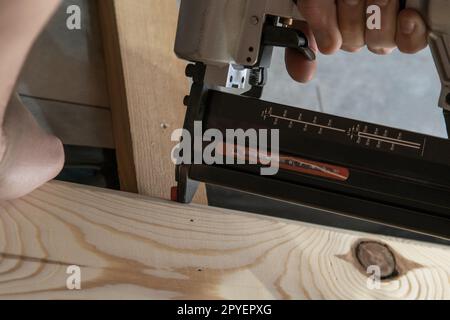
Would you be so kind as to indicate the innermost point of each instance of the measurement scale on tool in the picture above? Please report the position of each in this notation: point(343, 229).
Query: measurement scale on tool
point(310, 122)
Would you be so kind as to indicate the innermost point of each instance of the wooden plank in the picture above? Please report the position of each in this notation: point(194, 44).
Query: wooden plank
point(76, 125)
point(147, 85)
point(118, 96)
point(68, 65)
point(128, 246)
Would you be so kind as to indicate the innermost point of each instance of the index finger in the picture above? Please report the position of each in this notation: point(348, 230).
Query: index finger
point(321, 16)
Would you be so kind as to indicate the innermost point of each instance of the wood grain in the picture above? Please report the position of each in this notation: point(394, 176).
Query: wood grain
point(133, 247)
point(118, 96)
point(147, 85)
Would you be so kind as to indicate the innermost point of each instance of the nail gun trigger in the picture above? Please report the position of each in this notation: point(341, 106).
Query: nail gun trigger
point(288, 38)
point(308, 53)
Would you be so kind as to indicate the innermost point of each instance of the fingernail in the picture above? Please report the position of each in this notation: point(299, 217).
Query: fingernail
point(407, 26)
point(352, 2)
point(381, 3)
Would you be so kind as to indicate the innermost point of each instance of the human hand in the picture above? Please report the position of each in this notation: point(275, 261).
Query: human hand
point(341, 24)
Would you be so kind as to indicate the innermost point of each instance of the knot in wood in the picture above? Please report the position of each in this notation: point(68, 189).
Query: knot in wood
point(371, 253)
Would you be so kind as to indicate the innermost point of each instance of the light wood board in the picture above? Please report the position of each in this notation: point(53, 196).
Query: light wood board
point(132, 247)
point(147, 84)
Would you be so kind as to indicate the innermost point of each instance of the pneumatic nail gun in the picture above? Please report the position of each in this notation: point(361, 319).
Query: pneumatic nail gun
point(349, 167)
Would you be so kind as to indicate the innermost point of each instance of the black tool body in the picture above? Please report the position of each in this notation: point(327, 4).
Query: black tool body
point(386, 175)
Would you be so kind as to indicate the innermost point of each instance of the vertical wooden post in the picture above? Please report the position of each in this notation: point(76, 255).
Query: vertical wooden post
point(147, 85)
point(118, 98)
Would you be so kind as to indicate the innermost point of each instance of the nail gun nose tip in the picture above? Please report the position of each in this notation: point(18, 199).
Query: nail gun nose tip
point(174, 194)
